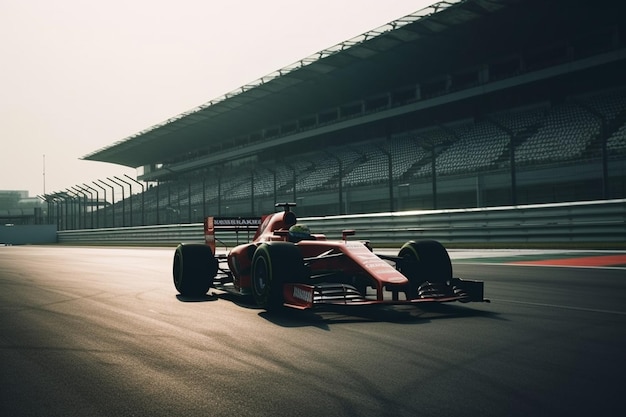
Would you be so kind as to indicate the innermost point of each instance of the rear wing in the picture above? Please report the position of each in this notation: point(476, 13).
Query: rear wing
point(238, 225)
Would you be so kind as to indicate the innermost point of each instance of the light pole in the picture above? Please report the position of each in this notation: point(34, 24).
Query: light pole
point(72, 196)
point(90, 204)
point(403, 191)
point(340, 179)
point(123, 200)
point(84, 210)
point(203, 198)
point(105, 202)
point(63, 211)
point(56, 200)
point(389, 176)
point(112, 201)
point(97, 206)
point(130, 197)
point(189, 201)
point(158, 187)
point(294, 179)
point(252, 192)
point(143, 190)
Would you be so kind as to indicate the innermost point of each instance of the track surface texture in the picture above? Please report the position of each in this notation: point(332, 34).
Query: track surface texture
point(102, 332)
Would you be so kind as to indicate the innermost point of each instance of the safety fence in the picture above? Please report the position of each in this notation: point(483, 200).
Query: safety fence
point(584, 224)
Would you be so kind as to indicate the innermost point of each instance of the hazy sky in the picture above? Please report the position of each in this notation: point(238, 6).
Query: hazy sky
point(79, 75)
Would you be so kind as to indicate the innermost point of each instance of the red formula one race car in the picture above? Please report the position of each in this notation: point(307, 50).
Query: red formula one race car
point(285, 265)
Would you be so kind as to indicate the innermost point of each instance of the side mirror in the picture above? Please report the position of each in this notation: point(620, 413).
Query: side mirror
point(346, 233)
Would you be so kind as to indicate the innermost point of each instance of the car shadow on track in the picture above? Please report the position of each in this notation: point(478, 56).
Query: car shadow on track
point(197, 299)
point(322, 317)
point(243, 301)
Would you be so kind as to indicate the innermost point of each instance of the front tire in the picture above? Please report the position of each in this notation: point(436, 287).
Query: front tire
point(194, 268)
point(273, 264)
point(424, 261)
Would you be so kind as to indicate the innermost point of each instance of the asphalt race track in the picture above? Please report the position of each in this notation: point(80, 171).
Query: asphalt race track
point(102, 332)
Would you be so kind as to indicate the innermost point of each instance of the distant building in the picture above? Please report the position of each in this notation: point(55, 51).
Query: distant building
point(13, 199)
point(17, 207)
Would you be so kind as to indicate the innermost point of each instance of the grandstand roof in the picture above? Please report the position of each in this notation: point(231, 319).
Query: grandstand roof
point(367, 64)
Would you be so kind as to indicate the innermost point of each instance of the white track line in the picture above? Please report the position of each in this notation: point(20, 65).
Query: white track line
point(590, 310)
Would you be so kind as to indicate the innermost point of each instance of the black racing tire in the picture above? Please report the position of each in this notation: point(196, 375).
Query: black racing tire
point(423, 261)
point(194, 268)
point(273, 264)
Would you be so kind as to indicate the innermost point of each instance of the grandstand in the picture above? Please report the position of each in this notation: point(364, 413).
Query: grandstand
point(467, 103)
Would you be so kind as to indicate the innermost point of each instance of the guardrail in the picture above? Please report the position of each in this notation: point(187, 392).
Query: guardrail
point(594, 223)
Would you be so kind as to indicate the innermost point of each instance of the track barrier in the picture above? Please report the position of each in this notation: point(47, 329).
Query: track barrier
point(599, 224)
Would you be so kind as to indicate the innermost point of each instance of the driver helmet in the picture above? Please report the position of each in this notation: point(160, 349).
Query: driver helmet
point(299, 232)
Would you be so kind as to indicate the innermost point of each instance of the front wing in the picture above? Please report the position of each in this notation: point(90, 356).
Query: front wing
point(305, 296)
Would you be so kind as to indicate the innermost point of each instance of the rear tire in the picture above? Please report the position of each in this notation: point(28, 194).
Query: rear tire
point(274, 264)
point(194, 268)
point(424, 261)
